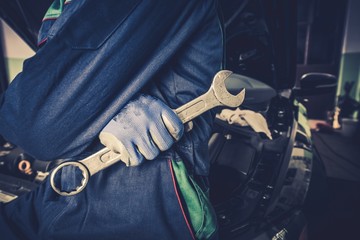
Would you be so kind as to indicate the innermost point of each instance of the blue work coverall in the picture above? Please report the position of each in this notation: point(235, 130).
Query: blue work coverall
point(93, 59)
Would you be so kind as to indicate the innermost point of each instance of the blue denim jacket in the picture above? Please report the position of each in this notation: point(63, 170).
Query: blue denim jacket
point(95, 58)
point(92, 65)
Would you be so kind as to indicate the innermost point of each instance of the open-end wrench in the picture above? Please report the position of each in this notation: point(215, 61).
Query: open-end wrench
point(217, 95)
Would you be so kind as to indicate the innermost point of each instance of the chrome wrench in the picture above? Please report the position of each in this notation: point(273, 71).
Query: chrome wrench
point(217, 95)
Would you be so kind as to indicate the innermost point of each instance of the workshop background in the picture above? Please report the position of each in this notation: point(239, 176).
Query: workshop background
point(329, 41)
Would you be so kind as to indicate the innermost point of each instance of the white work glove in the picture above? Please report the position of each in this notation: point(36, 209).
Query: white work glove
point(142, 129)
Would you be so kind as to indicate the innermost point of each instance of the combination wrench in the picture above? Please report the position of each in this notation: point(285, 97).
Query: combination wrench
point(217, 95)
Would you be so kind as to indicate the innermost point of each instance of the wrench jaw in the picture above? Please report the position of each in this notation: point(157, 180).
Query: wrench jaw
point(222, 94)
point(233, 101)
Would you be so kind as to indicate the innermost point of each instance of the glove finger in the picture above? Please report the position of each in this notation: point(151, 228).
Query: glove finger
point(147, 147)
point(161, 137)
point(130, 153)
point(135, 157)
point(173, 124)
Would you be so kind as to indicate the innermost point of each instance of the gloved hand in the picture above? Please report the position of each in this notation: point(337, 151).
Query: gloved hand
point(142, 129)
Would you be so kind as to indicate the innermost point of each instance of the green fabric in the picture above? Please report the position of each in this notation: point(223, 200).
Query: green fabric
point(55, 9)
point(302, 118)
point(197, 203)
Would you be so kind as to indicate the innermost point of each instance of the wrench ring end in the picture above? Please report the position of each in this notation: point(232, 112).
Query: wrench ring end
point(84, 181)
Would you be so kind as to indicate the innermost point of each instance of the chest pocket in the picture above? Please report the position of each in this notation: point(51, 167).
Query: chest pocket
point(94, 23)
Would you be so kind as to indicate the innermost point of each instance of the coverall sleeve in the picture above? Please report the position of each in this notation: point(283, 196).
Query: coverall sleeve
point(97, 57)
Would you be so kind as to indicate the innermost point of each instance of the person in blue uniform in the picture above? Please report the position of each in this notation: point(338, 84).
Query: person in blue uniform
point(117, 68)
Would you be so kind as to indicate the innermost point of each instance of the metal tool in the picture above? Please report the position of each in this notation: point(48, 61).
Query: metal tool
point(217, 95)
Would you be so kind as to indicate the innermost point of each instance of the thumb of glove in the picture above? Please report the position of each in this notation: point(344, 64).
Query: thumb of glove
point(111, 142)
